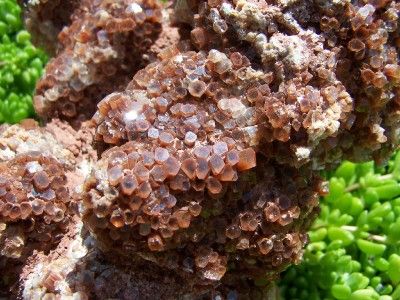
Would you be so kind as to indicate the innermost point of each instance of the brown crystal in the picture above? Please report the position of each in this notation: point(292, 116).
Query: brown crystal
point(247, 159)
point(189, 167)
point(197, 88)
point(155, 243)
point(91, 62)
point(265, 245)
point(233, 231)
point(129, 184)
point(41, 180)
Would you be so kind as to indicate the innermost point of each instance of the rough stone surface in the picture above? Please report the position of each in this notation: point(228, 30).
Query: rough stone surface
point(207, 156)
point(39, 177)
point(99, 52)
point(333, 65)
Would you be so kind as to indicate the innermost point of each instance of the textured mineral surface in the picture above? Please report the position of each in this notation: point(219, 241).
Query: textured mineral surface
point(76, 270)
point(187, 172)
point(38, 175)
point(209, 140)
point(99, 52)
point(334, 71)
point(45, 19)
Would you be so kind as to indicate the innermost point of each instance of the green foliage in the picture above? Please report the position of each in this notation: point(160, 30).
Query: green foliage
point(21, 65)
point(354, 249)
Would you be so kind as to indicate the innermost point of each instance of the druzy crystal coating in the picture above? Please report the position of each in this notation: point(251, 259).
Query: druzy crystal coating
point(165, 190)
point(98, 52)
point(34, 195)
point(208, 155)
point(333, 72)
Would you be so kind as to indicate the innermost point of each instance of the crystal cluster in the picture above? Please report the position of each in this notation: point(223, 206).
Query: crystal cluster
point(208, 155)
point(333, 65)
point(45, 19)
point(99, 52)
point(207, 151)
point(34, 194)
point(184, 224)
point(40, 170)
point(33, 202)
point(186, 101)
point(188, 134)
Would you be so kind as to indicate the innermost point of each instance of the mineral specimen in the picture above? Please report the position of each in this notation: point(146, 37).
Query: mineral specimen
point(334, 71)
point(99, 52)
point(36, 187)
point(185, 189)
point(208, 156)
point(188, 99)
point(34, 202)
point(170, 216)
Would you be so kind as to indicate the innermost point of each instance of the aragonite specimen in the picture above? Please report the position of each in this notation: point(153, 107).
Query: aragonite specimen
point(208, 156)
point(38, 178)
point(34, 196)
point(186, 189)
point(188, 99)
point(34, 192)
point(334, 68)
point(209, 96)
point(46, 18)
point(33, 203)
point(244, 224)
point(100, 51)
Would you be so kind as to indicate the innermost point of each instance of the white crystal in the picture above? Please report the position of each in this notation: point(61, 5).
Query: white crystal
point(33, 167)
point(134, 8)
point(130, 115)
point(153, 133)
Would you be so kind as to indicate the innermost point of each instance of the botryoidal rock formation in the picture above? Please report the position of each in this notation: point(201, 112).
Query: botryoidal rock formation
point(333, 67)
point(208, 149)
point(40, 169)
point(98, 53)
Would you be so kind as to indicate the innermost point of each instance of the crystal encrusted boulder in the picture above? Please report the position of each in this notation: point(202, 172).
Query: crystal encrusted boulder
point(99, 52)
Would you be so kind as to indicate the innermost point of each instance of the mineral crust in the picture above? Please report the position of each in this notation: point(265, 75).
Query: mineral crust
point(333, 65)
point(99, 52)
point(37, 178)
point(262, 93)
point(208, 157)
point(186, 189)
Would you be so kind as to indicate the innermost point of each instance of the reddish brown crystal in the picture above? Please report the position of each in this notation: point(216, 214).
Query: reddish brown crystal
point(247, 159)
point(98, 53)
point(185, 205)
point(32, 187)
point(208, 157)
point(313, 84)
